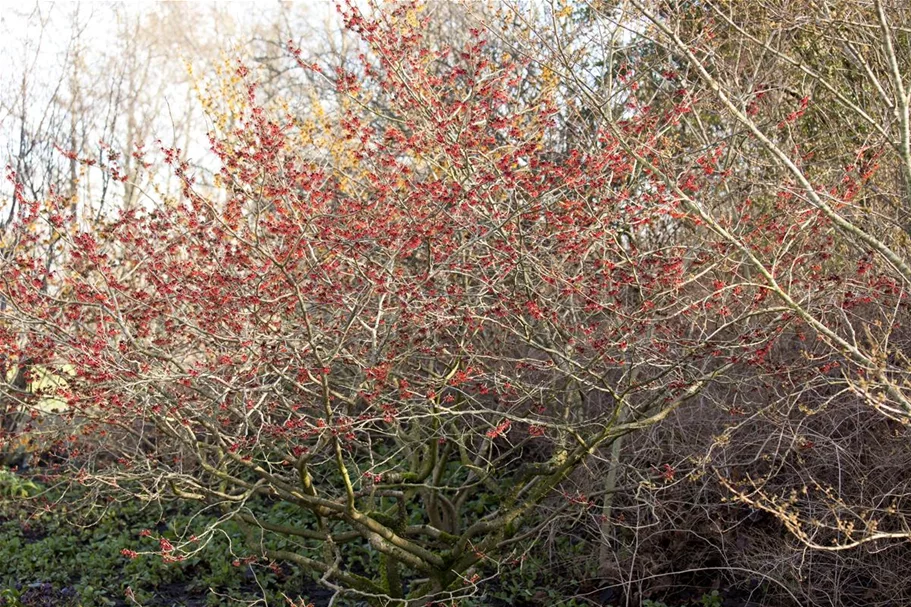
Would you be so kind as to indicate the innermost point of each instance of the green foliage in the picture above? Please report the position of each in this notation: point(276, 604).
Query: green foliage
point(14, 486)
point(712, 599)
point(53, 557)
